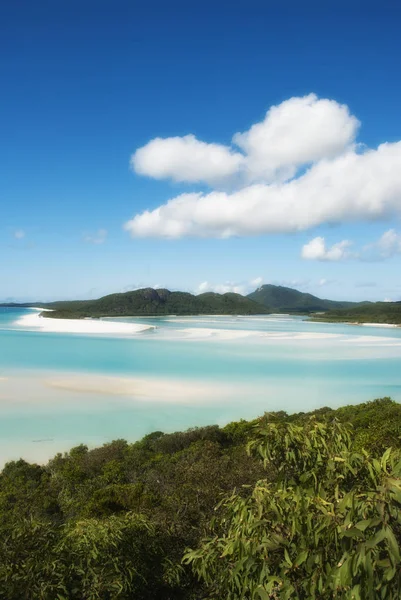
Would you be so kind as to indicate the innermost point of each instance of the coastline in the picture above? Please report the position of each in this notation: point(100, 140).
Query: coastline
point(35, 321)
point(332, 322)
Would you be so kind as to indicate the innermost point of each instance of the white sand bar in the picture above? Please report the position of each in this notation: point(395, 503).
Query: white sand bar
point(203, 333)
point(65, 392)
point(140, 388)
point(38, 322)
point(378, 324)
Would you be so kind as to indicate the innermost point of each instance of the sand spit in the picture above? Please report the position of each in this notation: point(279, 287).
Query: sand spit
point(38, 322)
point(139, 388)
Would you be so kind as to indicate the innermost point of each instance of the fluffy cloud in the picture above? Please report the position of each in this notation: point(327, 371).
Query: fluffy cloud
point(316, 249)
point(294, 133)
point(349, 188)
point(97, 238)
point(299, 168)
point(186, 159)
point(19, 234)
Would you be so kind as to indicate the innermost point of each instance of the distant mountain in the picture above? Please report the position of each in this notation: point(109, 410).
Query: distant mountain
point(369, 312)
point(150, 302)
point(284, 299)
point(19, 304)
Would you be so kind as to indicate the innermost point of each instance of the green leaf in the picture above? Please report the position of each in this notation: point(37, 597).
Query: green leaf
point(353, 532)
point(301, 558)
point(393, 544)
point(287, 557)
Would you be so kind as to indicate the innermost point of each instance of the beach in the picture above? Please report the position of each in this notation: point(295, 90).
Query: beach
point(38, 322)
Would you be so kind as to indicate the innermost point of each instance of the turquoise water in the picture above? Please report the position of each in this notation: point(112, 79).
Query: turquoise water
point(310, 365)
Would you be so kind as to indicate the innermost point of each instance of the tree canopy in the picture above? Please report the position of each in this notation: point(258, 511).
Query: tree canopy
point(284, 506)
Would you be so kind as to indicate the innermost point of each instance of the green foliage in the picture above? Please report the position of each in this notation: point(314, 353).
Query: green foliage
point(150, 302)
point(326, 526)
point(114, 522)
point(84, 560)
point(367, 312)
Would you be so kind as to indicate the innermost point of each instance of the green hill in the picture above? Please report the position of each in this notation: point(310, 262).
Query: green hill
point(373, 312)
point(150, 302)
point(284, 299)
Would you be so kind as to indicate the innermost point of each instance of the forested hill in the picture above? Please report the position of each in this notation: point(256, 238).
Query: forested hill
point(374, 312)
point(157, 302)
point(300, 505)
point(284, 299)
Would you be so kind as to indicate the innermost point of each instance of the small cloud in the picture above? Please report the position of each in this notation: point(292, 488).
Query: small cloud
point(388, 245)
point(99, 237)
point(222, 288)
point(132, 287)
point(257, 282)
point(205, 286)
point(322, 282)
point(316, 249)
point(19, 234)
point(388, 300)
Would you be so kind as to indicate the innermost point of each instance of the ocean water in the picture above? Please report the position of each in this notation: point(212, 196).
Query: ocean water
point(58, 390)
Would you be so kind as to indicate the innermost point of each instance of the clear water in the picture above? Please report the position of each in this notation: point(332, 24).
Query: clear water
point(310, 365)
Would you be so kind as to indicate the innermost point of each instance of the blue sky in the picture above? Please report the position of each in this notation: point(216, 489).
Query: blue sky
point(86, 85)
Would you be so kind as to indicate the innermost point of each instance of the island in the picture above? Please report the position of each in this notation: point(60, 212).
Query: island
point(369, 313)
point(155, 302)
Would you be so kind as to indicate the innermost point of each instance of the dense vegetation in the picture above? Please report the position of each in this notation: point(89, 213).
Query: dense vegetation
point(284, 299)
point(375, 312)
point(308, 507)
point(157, 302)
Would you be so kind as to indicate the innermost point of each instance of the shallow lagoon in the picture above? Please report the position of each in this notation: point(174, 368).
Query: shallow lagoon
point(57, 390)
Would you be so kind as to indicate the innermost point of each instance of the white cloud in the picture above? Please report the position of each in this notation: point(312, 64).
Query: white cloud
point(257, 282)
point(246, 287)
point(340, 183)
point(387, 246)
point(294, 133)
point(19, 234)
point(316, 249)
point(186, 159)
point(97, 238)
point(297, 132)
point(222, 288)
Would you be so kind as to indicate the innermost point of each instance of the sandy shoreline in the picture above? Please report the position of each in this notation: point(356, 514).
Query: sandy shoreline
point(113, 326)
point(37, 322)
point(72, 391)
